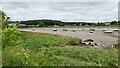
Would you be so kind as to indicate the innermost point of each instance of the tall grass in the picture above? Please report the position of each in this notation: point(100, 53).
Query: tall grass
point(40, 49)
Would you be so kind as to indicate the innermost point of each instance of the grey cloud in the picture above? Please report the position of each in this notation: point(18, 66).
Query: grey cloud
point(59, 0)
point(14, 5)
point(65, 11)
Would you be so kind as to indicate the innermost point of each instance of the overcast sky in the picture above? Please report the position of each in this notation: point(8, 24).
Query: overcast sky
point(60, 0)
point(65, 11)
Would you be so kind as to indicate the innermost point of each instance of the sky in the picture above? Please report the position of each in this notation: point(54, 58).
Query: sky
point(60, 0)
point(64, 11)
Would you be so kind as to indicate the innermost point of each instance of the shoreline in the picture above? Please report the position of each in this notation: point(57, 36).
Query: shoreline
point(98, 36)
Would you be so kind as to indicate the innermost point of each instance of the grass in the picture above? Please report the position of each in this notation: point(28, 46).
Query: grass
point(46, 40)
point(0, 48)
point(41, 49)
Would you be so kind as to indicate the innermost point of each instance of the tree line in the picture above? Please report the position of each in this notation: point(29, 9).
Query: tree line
point(47, 23)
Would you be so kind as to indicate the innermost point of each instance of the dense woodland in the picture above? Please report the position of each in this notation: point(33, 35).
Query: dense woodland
point(47, 23)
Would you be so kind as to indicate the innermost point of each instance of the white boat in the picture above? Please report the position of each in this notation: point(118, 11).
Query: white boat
point(65, 29)
point(103, 29)
point(54, 29)
point(73, 30)
point(114, 29)
point(92, 29)
point(91, 32)
point(108, 32)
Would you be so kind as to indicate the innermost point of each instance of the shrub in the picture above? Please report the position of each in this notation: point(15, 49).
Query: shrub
point(10, 37)
point(74, 41)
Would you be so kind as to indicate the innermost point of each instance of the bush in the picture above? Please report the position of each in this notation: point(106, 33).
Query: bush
point(10, 36)
point(74, 41)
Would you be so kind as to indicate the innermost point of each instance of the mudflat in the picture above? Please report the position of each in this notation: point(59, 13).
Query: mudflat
point(98, 35)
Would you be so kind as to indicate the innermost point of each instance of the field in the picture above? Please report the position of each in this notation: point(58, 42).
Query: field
point(42, 49)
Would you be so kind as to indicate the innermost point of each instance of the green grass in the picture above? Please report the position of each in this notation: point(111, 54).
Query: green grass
point(41, 49)
point(0, 48)
point(47, 40)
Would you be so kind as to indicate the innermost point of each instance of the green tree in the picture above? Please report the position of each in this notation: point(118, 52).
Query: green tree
point(10, 36)
point(3, 20)
point(114, 23)
point(41, 24)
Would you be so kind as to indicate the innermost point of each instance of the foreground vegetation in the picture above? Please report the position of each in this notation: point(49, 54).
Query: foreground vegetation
point(39, 49)
point(0, 55)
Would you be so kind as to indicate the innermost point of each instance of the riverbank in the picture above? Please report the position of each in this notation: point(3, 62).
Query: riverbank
point(98, 35)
